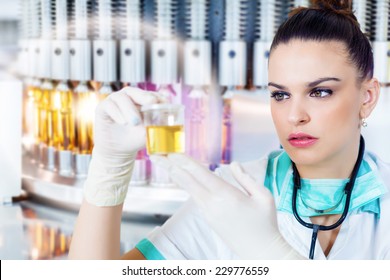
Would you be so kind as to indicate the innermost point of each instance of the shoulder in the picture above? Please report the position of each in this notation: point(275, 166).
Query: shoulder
point(382, 167)
point(383, 225)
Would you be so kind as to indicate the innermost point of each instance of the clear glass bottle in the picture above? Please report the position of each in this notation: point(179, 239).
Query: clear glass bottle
point(62, 132)
point(30, 122)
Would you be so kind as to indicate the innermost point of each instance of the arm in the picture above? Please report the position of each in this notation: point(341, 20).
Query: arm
point(133, 254)
point(97, 232)
point(101, 238)
point(118, 136)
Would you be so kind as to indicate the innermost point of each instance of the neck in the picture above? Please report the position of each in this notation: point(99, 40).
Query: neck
point(337, 166)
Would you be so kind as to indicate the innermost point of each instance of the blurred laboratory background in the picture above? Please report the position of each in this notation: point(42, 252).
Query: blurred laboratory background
point(60, 58)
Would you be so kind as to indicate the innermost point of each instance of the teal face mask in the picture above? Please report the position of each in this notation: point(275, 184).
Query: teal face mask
point(328, 194)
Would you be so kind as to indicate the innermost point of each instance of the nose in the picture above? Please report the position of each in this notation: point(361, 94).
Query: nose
point(298, 114)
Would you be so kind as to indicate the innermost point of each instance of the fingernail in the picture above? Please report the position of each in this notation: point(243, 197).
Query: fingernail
point(136, 121)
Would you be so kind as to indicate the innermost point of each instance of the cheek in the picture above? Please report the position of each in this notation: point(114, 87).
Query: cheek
point(278, 117)
point(342, 115)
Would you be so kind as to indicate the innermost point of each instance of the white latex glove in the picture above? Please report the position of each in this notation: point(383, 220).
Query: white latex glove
point(245, 221)
point(118, 135)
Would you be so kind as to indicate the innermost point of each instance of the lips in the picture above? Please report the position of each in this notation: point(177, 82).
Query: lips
point(301, 140)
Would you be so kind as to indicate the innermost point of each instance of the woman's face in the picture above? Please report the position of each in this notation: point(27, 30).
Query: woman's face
point(315, 102)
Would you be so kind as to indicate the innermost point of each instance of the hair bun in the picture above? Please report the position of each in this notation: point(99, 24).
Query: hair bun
point(342, 7)
point(345, 5)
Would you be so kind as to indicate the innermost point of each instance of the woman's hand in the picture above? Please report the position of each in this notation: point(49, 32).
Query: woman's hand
point(118, 135)
point(244, 219)
point(119, 132)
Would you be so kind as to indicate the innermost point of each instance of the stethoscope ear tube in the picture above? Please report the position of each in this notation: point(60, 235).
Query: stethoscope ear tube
point(348, 191)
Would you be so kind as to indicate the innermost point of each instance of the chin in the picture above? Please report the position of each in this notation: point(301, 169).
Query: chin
point(302, 156)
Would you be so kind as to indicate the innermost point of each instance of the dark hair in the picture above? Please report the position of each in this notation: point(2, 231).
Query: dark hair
point(329, 21)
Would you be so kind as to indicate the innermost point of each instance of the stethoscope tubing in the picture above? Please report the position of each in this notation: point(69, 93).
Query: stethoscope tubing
point(348, 191)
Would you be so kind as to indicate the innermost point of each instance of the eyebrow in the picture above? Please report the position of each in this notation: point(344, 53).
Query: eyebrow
point(321, 80)
point(311, 84)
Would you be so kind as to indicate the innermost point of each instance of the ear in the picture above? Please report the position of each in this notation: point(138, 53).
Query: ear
point(370, 96)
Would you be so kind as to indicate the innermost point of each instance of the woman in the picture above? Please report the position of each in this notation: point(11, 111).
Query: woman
point(322, 186)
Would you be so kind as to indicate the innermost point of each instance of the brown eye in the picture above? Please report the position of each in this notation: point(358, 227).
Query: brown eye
point(317, 93)
point(280, 96)
point(321, 93)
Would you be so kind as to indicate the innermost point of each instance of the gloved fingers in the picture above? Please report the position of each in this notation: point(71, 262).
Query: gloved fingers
point(141, 97)
point(126, 107)
point(161, 98)
point(108, 110)
point(243, 179)
point(181, 177)
point(197, 191)
point(248, 183)
point(202, 174)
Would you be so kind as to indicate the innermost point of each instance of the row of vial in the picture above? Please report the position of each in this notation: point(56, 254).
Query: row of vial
point(66, 77)
point(58, 128)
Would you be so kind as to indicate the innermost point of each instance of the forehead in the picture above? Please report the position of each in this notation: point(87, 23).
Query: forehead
point(302, 61)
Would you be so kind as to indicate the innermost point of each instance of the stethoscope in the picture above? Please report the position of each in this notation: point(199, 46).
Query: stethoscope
point(347, 191)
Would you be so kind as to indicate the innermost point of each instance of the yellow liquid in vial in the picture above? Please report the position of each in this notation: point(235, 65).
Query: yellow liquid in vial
point(44, 107)
point(62, 130)
point(30, 109)
point(37, 93)
point(165, 139)
point(86, 105)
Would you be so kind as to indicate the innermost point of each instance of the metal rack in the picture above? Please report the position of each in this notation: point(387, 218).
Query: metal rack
point(66, 192)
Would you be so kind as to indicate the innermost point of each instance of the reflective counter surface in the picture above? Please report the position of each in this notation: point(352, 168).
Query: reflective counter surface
point(32, 230)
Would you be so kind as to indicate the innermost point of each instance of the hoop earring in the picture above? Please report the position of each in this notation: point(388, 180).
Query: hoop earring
point(364, 123)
